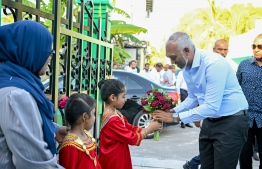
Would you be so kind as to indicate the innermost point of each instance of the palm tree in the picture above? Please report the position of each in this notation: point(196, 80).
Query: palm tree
point(121, 34)
point(206, 25)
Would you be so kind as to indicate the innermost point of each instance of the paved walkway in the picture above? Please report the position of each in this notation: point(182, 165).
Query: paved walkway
point(153, 163)
point(146, 163)
point(176, 145)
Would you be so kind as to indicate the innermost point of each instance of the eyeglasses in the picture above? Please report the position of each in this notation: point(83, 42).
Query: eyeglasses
point(256, 46)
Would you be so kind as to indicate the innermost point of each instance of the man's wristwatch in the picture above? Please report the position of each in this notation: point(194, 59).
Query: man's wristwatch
point(175, 115)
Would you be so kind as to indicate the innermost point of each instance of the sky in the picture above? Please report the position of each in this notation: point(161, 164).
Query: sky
point(166, 15)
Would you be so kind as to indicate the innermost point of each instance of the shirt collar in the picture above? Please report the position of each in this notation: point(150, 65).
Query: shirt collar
point(252, 60)
point(196, 60)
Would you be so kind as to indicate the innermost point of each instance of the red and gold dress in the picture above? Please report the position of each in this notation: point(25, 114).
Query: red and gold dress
point(115, 136)
point(78, 154)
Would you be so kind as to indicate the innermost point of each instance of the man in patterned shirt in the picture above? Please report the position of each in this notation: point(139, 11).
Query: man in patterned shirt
point(249, 75)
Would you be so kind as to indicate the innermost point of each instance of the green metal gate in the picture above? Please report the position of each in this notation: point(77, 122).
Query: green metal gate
point(82, 55)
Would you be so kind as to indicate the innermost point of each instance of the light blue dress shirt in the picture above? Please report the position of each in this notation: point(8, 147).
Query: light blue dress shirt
point(212, 84)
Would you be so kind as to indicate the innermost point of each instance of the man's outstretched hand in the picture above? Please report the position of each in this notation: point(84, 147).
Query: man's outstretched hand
point(164, 116)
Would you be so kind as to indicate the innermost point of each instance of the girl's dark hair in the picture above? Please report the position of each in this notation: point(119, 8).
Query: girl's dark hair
point(78, 104)
point(109, 87)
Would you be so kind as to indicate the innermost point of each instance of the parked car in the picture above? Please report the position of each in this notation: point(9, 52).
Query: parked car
point(137, 86)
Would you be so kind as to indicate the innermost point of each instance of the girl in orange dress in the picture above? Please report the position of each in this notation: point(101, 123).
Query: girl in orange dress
point(116, 133)
point(78, 150)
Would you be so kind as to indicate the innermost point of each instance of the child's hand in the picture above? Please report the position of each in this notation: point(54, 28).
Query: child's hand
point(154, 125)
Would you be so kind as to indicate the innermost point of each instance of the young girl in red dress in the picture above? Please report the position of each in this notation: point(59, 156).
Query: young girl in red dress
point(78, 150)
point(116, 133)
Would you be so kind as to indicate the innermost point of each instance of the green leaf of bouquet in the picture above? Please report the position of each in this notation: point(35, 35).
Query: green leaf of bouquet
point(148, 108)
point(152, 86)
point(155, 90)
point(161, 90)
point(152, 98)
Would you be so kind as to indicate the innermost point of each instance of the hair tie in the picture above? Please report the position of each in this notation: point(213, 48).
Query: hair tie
point(62, 102)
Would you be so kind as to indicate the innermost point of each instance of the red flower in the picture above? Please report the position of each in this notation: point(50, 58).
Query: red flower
point(143, 101)
point(148, 92)
point(166, 106)
point(154, 103)
point(157, 94)
point(62, 102)
point(162, 99)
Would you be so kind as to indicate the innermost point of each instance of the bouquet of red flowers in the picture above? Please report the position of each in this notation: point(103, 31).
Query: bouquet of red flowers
point(156, 99)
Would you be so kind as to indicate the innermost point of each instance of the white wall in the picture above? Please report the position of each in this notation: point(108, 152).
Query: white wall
point(240, 46)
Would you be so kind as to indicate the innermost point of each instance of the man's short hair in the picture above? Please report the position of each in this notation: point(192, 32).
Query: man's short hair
point(172, 66)
point(159, 65)
point(131, 62)
point(220, 40)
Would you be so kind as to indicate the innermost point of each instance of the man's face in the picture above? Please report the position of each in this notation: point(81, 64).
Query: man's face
point(166, 67)
point(221, 48)
point(133, 65)
point(147, 67)
point(256, 45)
point(175, 55)
point(158, 68)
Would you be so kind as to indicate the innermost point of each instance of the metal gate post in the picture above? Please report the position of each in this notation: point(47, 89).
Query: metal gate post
point(1, 12)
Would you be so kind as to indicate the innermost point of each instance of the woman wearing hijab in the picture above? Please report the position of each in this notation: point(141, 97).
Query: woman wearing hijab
point(26, 127)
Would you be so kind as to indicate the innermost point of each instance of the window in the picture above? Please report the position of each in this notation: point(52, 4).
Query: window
point(123, 79)
point(132, 84)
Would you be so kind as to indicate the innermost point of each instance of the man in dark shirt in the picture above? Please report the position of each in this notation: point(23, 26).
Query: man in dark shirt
point(249, 75)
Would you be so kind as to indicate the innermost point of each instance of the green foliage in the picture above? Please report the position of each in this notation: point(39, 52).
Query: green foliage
point(120, 55)
point(206, 25)
point(46, 7)
point(157, 55)
point(121, 12)
point(132, 38)
point(122, 32)
point(126, 29)
point(28, 3)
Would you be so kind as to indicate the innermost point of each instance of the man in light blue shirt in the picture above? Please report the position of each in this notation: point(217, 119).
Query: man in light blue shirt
point(212, 84)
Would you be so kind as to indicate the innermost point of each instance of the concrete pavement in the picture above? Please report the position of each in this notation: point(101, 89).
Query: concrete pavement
point(146, 163)
point(175, 147)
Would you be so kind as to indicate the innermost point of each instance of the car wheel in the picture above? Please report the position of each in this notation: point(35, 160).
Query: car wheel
point(143, 120)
